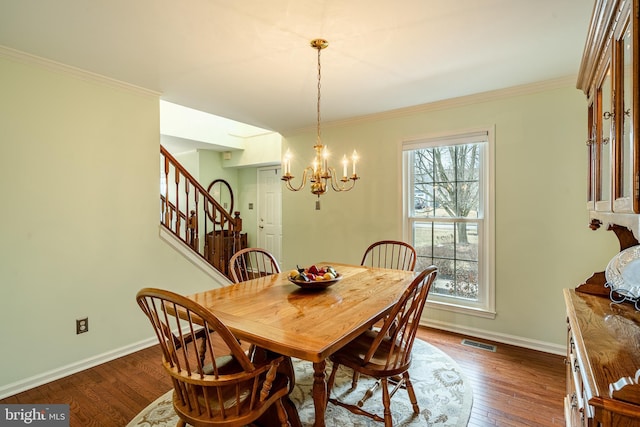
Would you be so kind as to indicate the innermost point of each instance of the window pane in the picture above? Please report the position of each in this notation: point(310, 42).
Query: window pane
point(445, 279)
point(467, 162)
point(468, 199)
point(423, 243)
point(444, 173)
point(423, 165)
point(466, 283)
point(467, 239)
point(423, 201)
point(456, 279)
point(444, 240)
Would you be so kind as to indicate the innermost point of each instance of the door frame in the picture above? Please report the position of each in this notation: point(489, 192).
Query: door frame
point(260, 207)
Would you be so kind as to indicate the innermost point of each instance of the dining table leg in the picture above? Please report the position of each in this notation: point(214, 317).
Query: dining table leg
point(320, 395)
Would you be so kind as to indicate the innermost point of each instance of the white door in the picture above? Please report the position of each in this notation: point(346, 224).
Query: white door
point(270, 211)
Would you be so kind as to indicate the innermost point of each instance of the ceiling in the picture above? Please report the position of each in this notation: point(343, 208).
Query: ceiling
point(250, 60)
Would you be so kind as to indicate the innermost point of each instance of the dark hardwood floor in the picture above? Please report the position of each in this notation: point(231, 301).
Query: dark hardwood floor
point(511, 387)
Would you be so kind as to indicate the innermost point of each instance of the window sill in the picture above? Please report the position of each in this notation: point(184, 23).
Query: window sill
point(461, 309)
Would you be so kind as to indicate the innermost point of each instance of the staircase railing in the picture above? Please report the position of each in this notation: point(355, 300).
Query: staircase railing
point(192, 215)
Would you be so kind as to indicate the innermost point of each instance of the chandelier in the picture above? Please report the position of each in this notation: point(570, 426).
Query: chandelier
point(319, 173)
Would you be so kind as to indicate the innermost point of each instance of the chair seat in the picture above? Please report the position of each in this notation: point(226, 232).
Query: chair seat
point(353, 355)
point(240, 406)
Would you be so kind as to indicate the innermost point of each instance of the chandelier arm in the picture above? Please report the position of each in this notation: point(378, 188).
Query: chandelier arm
point(288, 178)
point(334, 181)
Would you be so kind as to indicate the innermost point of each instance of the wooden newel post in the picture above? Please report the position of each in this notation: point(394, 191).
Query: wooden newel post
point(237, 229)
point(192, 226)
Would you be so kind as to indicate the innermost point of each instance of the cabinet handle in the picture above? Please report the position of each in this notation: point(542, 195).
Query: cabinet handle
point(605, 141)
point(607, 115)
point(628, 112)
point(590, 142)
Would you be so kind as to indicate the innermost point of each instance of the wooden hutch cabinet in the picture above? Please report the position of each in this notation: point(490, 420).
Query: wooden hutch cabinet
point(603, 338)
point(609, 78)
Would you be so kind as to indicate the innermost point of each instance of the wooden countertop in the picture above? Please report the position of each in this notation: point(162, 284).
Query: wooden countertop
point(607, 338)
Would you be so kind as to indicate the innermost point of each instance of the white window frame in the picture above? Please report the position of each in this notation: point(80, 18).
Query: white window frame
point(485, 306)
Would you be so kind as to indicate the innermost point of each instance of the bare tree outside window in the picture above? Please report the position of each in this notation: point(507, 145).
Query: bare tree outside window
point(447, 212)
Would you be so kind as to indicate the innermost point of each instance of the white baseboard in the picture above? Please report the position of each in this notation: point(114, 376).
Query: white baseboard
point(546, 347)
point(81, 365)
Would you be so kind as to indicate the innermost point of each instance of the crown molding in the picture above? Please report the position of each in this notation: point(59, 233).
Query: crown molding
point(27, 58)
point(457, 102)
point(477, 98)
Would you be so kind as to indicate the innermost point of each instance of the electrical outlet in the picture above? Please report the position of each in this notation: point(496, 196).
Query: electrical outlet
point(82, 325)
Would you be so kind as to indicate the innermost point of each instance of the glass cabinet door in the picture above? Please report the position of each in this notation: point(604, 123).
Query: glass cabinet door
point(609, 76)
point(625, 199)
point(603, 175)
point(592, 154)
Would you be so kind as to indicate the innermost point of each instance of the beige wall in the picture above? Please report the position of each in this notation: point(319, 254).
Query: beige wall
point(542, 240)
point(79, 168)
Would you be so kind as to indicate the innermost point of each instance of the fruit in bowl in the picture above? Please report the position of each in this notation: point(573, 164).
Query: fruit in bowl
point(313, 273)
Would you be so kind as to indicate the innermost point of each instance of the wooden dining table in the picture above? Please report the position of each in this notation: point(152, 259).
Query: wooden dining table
point(278, 315)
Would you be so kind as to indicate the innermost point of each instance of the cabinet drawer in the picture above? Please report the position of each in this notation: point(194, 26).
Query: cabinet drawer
point(577, 410)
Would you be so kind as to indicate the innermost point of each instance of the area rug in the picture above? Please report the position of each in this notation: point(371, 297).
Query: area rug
point(444, 396)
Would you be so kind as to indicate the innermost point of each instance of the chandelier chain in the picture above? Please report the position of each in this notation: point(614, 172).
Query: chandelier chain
point(318, 140)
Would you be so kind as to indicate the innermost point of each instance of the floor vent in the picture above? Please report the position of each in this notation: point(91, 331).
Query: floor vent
point(481, 345)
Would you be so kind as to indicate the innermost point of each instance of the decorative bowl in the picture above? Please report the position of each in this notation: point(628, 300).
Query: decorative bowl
point(316, 284)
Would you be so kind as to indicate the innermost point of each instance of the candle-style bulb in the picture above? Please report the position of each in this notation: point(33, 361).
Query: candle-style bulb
point(287, 162)
point(354, 157)
point(345, 164)
point(325, 159)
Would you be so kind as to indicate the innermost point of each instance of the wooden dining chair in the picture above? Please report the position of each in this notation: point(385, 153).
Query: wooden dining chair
point(390, 254)
point(215, 382)
point(386, 354)
point(251, 263)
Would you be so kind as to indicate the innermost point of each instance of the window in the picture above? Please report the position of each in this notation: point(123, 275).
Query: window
point(447, 190)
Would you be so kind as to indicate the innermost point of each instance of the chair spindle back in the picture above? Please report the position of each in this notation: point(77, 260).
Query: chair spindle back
point(390, 254)
point(251, 263)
